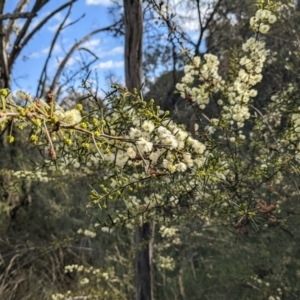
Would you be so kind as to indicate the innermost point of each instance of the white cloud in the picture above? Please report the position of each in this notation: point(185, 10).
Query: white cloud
point(116, 50)
point(53, 28)
point(45, 51)
point(111, 52)
point(110, 64)
point(92, 45)
point(99, 2)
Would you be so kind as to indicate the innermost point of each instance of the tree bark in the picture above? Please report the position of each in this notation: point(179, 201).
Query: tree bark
point(143, 262)
point(4, 73)
point(133, 19)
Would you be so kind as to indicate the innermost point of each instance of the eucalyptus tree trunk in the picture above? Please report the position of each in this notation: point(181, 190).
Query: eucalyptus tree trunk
point(4, 73)
point(133, 17)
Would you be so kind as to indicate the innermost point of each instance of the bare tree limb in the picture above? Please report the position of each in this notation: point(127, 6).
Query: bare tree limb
point(197, 45)
point(44, 21)
point(212, 14)
point(16, 46)
point(69, 79)
point(74, 47)
point(204, 27)
point(43, 77)
point(11, 24)
point(19, 44)
point(20, 15)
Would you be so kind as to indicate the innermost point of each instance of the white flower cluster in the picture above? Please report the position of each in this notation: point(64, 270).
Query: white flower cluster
point(172, 137)
point(159, 146)
point(58, 297)
point(87, 233)
point(166, 263)
point(84, 281)
point(132, 202)
point(90, 233)
point(167, 147)
point(21, 95)
point(240, 92)
point(294, 136)
point(281, 103)
point(260, 22)
point(37, 175)
point(71, 268)
point(167, 231)
point(72, 117)
point(170, 236)
point(205, 71)
point(274, 298)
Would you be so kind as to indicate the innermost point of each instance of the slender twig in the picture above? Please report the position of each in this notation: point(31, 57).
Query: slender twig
point(74, 47)
point(100, 153)
point(265, 121)
point(48, 136)
point(43, 76)
point(23, 38)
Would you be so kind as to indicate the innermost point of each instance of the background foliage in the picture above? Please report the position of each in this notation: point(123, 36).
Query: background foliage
point(46, 226)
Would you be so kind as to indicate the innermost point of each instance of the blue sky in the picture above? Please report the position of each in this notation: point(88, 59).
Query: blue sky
point(29, 65)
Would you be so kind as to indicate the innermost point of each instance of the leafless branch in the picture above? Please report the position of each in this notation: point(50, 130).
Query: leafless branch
point(74, 47)
point(209, 19)
point(43, 77)
point(23, 39)
point(203, 28)
point(16, 46)
point(197, 45)
point(11, 24)
point(22, 15)
point(86, 66)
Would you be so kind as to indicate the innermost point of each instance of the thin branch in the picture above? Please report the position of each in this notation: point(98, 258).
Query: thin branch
point(44, 21)
point(197, 45)
point(74, 22)
point(266, 122)
point(16, 48)
point(19, 44)
point(85, 67)
point(43, 77)
point(212, 15)
point(48, 135)
point(74, 47)
point(11, 24)
point(206, 26)
point(21, 15)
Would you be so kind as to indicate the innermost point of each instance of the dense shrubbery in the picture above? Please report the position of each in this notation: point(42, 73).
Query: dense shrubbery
point(237, 168)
